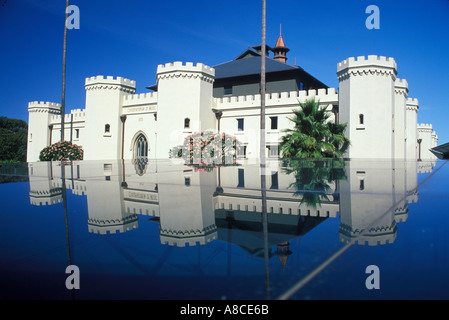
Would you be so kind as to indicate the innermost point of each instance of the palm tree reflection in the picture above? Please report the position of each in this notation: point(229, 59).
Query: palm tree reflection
point(315, 179)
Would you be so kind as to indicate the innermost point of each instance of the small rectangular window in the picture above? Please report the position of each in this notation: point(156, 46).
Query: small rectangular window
point(227, 90)
point(241, 177)
point(241, 152)
point(77, 133)
point(274, 123)
point(107, 128)
point(361, 119)
point(273, 150)
point(240, 124)
point(274, 180)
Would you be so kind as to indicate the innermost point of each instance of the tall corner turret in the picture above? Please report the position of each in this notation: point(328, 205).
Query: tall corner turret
point(39, 130)
point(104, 100)
point(185, 98)
point(366, 104)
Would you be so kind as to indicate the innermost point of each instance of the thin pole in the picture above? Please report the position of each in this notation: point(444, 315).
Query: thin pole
point(262, 153)
point(64, 54)
point(262, 86)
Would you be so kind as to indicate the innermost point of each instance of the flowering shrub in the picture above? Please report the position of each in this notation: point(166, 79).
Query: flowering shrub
point(61, 151)
point(205, 150)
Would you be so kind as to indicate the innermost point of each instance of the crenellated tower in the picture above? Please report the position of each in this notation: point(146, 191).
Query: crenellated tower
point(411, 119)
point(39, 128)
point(187, 215)
point(184, 103)
point(45, 183)
point(427, 139)
point(105, 199)
point(366, 104)
point(399, 118)
point(363, 220)
point(104, 96)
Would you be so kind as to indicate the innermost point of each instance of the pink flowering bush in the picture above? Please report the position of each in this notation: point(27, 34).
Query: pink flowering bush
point(61, 151)
point(205, 150)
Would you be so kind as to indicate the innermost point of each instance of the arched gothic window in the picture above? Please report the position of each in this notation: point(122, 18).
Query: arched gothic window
point(140, 159)
point(141, 146)
point(186, 123)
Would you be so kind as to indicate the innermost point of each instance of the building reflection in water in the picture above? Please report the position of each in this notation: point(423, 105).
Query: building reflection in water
point(195, 207)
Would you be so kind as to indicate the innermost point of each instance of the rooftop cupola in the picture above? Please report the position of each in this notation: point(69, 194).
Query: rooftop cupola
point(280, 50)
point(259, 49)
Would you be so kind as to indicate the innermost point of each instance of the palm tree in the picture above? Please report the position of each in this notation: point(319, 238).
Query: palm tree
point(338, 139)
point(313, 135)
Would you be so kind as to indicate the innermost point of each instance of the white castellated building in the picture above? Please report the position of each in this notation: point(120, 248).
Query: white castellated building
point(117, 123)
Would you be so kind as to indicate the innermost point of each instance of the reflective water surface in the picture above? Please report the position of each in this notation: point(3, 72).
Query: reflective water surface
point(151, 229)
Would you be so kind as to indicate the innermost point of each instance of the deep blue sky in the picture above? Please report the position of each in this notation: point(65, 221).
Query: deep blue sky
point(130, 38)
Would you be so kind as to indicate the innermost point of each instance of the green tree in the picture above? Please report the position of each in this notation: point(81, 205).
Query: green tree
point(13, 140)
point(313, 136)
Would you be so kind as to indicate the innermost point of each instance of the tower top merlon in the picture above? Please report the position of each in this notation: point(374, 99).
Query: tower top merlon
point(109, 80)
point(367, 62)
point(412, 104)
point(425, 126)
point(40, 105)
point(188, 67)
point(401, 84)
point(401, 87)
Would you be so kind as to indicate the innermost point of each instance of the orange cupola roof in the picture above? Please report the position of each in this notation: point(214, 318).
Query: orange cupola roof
point(280, 50)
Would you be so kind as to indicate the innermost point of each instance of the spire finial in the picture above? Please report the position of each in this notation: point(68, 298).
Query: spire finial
point(280, 49)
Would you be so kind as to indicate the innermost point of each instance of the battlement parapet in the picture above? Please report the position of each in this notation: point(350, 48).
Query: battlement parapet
point(426, 166)
point(370, 61)
point(369, 240)
point(188, 66)
point(191, 237)
point(179, 69)
point(190, 241)
point(424, 126)
point(44, 201)
point(111, 226)
point(401, 84)
point(109, 82)
point(378, 235)
point(46, 196)
point(412, 101)
point(412, 104)
point(76, 115)
point(44, 106)
point(401, 87)
point(324, 96)
point(138, 99)
point(103, 230)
